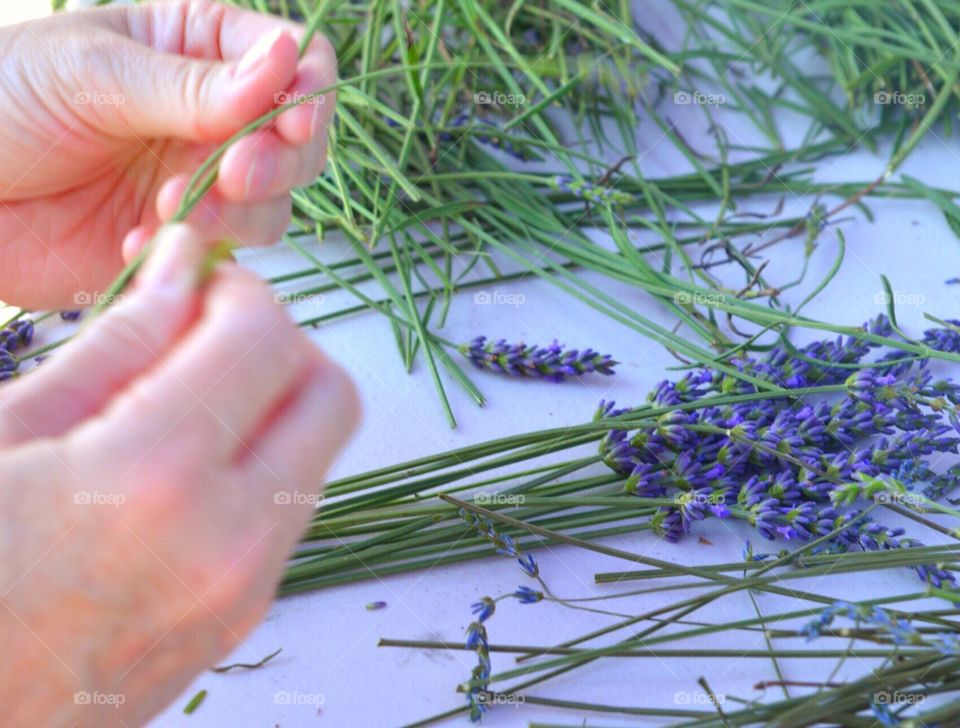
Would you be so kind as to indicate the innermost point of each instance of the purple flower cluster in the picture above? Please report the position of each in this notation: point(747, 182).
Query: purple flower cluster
point(12, 338)
point(552, 362)
point(779, 463)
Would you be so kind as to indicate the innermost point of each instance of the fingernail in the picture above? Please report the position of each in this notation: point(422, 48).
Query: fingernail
point(260, 175)
point(258, 53)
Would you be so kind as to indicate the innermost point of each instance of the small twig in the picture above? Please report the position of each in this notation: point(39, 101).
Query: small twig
point(247, 665)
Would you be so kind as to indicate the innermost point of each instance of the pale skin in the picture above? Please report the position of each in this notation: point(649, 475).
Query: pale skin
point(142, 535)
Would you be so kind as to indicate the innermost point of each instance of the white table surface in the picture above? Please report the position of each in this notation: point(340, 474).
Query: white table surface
point(331, 671)
point(329, 639)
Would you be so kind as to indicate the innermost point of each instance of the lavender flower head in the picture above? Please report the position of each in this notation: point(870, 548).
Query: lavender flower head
point(552, 363)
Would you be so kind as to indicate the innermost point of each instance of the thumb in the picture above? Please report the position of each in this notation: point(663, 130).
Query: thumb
point(198, 99)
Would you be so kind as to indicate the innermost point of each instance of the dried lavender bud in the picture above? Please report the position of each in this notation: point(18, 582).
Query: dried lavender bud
point(551, 363)
point(70, 315)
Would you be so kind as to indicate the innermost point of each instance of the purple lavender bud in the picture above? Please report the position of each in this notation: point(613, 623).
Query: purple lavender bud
point(529, 566)
point(483, 609)
point(526, 595)
point(476, 636)
point(70, 315)
point(551, 363)
point(24, 330)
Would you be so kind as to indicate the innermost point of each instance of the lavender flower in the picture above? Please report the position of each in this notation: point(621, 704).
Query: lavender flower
point(529, 566)
point(70, 315)
point(526, 595)
point(483, 609)
point(552, 363)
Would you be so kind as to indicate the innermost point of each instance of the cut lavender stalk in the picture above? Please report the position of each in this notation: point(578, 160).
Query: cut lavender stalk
point(552, 363)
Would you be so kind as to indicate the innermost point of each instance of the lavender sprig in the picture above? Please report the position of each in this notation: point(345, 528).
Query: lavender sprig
point(551, 363)
point(477, 695)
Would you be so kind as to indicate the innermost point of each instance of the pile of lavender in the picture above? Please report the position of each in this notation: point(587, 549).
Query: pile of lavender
point(797, 468)
point(551, 363)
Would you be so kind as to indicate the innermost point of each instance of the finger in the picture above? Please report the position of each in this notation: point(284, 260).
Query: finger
point(308, 121)
point(261, 166)
point(235, 64)
point(283, 473)
point(208, 396)
point(171, 95)
point(135, 241)
point(128, 339)
point(262, 223)
point(326, 405)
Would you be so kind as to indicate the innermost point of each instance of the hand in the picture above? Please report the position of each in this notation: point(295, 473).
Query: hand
point(145, 473)
point(105, 114)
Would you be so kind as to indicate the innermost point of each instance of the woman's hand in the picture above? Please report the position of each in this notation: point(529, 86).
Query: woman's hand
point(105, 114)
point(155, 479)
